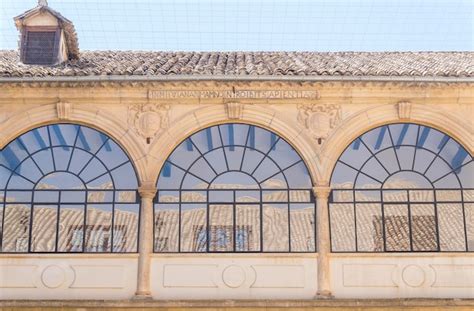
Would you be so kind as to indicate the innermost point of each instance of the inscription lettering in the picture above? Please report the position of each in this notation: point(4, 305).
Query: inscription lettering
point(257, 94)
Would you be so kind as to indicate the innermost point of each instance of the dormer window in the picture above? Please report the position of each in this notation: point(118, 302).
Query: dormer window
point(47, 37)
point(40, 45)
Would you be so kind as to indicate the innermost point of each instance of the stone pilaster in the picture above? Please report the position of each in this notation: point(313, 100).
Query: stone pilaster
point(323, 241)
point(147, 193)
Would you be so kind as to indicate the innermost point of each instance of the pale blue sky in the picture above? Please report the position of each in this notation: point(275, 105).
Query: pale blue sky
point(270, 25)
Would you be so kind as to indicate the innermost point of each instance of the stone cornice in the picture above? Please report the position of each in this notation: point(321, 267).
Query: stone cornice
point(229, 83)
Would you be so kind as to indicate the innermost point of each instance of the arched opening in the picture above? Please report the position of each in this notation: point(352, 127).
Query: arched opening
point(403, 188)
point(67, 188)
point(234, 188)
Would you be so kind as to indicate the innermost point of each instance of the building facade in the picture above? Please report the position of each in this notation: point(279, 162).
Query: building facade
point(235, 175)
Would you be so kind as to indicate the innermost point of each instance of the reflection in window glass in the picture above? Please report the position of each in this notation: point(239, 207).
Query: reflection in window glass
point(43, 230)
point(98, 228)
point(229, 188)
point(50, 174)
point(71, 229)
point(411, 188)
point(16, 228)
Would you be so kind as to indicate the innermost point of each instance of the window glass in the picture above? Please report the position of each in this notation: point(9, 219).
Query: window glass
point(411, 188)
point(50, 174)
point(234, 188)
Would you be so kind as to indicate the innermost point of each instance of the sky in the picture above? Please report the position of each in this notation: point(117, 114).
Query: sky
point(259, 25)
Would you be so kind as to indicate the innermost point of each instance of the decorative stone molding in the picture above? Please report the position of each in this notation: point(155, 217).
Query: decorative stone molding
point(404, 110)
point(148, 120)
point(64, 110)
point(147, 190)
point(321, 191)
point(319, 119)
point(234, 110)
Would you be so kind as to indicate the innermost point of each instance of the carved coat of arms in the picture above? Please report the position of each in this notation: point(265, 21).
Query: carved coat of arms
point(148, 120)
point(319, 119)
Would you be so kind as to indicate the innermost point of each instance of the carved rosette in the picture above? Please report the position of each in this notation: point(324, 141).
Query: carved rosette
point(148, 120)
point(319, 119)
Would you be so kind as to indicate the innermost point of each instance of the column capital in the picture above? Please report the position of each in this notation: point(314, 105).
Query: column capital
point(322, 192)
point(147, 190)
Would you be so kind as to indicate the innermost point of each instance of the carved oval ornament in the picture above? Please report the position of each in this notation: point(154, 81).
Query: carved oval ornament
point(148, 119)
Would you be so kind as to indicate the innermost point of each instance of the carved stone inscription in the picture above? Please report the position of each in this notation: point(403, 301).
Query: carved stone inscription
point(257, 94)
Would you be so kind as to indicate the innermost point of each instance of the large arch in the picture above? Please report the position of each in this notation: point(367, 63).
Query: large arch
point(403, 187)
point(234, 187)
point(26, 120)
point(446, 121)
point(67, 188)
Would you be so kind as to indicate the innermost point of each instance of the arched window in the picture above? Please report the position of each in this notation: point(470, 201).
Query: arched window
point(403, 188)
point(234, 188)
point(67, 188)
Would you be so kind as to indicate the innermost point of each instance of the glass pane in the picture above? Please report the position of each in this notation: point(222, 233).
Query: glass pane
point(71, 228)
point(342, 196)
point(451, 227)
point(43, 196)
point(247, 230)
point(275, 228)
point(302, 223)
point(342, 227)
point(126, 196)
point(423, 227)
point(98, 228)
point(369, 228)
point(469, 211)
point(43, 234)
point(448, 195)
point(168, 196)
point(300, 195)
point(367, 195)
point(16, 228)
point(397, 232)
point(275, 196)
point(395, 196)
point(73, 196)
point(193, 227)
point(193, 196)
point(100, 196)
point(421, 195)
point(221, 196)
point(166, 228)
point(221, 229)
point(247, 196)
point(126, 228)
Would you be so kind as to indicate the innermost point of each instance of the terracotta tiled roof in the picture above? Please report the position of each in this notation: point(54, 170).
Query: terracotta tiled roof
point(128, 63)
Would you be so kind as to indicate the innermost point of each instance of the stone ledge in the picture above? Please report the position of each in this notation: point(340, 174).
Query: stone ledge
point(338, 304)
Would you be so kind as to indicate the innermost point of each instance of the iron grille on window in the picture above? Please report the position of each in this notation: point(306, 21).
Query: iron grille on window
point(40, 47)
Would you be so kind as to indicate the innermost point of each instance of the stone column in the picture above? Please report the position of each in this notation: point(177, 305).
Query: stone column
point(147, 193)
point(323, 243)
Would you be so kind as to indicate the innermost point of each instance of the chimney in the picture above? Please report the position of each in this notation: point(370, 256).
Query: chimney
point(47, 37)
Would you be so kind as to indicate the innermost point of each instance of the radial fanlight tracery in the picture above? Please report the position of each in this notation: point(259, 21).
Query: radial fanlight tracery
point(73, 180)
point(403, 187)
point(234, 187)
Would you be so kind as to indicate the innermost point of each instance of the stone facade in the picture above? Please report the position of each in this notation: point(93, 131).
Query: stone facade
point(149, 123)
